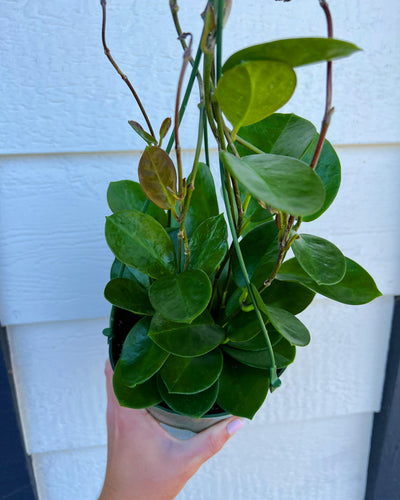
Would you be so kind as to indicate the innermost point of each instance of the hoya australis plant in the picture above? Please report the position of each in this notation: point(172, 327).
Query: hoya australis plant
point(204, 297)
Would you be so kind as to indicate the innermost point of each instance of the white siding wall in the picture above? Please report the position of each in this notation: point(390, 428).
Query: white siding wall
point(65, 137)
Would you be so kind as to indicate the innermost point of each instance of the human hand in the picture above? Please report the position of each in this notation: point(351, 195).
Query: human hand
point(144, 462)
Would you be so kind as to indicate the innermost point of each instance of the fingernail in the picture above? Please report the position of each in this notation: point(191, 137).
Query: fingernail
point(234, 426)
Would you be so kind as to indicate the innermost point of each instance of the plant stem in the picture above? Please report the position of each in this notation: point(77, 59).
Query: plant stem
point(274, 380)
point(284, 244)
point(328, 104)
point(186, 96)
point(248, 145)
point(208, 63)
point(190, 186)
point(121, 74)
point(235, 184)
point(182, 232)
point(173, 4)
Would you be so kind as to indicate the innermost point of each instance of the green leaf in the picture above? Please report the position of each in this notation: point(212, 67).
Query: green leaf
point(329, 170)
point(256, 213)
point(141, 358)
point(192, 375)
point(244, 326)
point(284, 354)
point(281, 182)
point(193, 405)
point(256, 359)
point(288, 295)
point(142, 396)
point(128, 195)
point(242, 389)
point(256, 343)
point(204, 202)
point(142, 133)
point(293, 51)
point(139, 241)
point(322, 260)
point(119, 270)
point(181, 297)
point(286, 323)
point(357, 287)
point(208, 245)
point(260, 251)
point(253, 90)
point(129, 295)
point(157, 177)
point(186, 340)
point(291, 135)
point(284, 351)
point(279, 134)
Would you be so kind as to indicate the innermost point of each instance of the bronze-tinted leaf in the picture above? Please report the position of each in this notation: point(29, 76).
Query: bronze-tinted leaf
point(157, 176)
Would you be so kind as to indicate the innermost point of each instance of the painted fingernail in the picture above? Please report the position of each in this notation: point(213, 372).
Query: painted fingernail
point(234, 426)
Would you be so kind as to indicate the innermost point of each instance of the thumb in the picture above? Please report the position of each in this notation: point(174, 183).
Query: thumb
point(210, 441)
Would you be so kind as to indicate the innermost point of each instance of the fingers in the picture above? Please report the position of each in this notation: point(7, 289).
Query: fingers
point(208, 442)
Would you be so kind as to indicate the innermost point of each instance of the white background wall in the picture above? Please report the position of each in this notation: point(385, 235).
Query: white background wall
point(64, 131)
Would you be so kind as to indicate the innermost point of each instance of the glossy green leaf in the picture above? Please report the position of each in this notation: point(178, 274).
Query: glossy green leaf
point(192, 375)
point(258, 343)
point(139, 241)
point(279, 134)
point(119, 270)
point(256, 213)
point(357, 287)
point(128, 195)
point(291, 135)
point(329, 170)
point(142, 396)
point(284, 354)
point(242, 389)
point(157, 177)
point(142, 133)
point(181, 297)
point(260, 251)
point(208, 245)
point(192, 405)
point(244, 326)
point(293, 51)
point(204, 202)
point(321, 259)
point(256, 359)
point(141, 358)
point(286, 323)
point(129, 295)
point(291, 296)
point(253, 90)
point(186, 340)
point(281, 182)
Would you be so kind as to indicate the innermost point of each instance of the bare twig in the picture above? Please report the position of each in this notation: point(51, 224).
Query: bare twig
point(328, 105)
point(121, 74)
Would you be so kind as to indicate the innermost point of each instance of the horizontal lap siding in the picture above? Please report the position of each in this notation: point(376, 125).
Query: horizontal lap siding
point(65, 137)
point(54, 261)
point(59, 93)
point(312, 460)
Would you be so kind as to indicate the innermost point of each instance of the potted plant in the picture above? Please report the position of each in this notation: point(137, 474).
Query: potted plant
point(203, 324)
